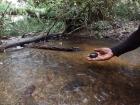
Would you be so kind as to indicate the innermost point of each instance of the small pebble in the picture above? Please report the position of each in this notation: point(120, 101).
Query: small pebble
point(1, 63)
point(85, 100)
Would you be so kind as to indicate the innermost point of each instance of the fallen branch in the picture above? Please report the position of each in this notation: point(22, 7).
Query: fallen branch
point(72, 49)
point(43, 36)
point(27, 41)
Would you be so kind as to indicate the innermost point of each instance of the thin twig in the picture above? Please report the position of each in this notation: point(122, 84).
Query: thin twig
point(50, 29)
point(75, 30)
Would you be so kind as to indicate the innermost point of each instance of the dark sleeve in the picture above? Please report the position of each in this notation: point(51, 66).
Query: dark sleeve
point(131, 43)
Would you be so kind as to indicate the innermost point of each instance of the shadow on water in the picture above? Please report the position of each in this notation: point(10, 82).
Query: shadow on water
point(39, 77)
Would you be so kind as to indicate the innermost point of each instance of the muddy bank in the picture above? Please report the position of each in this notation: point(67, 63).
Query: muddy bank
point(119, 31)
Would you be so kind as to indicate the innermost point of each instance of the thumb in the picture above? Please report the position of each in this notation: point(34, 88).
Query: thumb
point(101, 50)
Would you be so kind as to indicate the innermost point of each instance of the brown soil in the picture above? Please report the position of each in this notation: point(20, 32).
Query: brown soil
point(119, 31)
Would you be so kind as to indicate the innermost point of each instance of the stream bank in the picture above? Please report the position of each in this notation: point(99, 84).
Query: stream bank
point(118, 30)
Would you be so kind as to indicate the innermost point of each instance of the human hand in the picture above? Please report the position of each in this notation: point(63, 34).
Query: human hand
point(103, 54)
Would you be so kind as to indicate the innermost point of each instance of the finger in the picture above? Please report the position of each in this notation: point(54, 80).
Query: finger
point(100, 50)
point(90, 59)
point(95, 59)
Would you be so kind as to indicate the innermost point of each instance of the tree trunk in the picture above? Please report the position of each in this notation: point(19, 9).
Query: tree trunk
point(29, 40)
point(72, 24)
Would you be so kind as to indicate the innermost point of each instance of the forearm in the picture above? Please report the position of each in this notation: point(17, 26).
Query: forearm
point(131, 43)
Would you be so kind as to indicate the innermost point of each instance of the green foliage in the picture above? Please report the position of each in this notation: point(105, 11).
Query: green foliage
point(81, 9)
point(11, 9)
point(128, 10)
point(3, 7)
point(30, 25)
point(88, 12)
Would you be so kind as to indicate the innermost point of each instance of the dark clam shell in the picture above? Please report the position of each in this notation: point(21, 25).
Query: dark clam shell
point(93, 55)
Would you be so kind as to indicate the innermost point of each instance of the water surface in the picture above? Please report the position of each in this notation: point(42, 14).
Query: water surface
point(43, 77)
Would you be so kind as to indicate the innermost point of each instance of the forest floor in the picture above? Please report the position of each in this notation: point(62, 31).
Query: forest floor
point(123, 31)
point(120, 31)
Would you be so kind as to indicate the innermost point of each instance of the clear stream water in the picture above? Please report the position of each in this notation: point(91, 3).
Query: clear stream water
point(44, 77)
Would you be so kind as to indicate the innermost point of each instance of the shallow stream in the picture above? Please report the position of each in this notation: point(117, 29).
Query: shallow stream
point(44, 77)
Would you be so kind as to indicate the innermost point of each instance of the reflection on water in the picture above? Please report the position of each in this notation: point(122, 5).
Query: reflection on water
point(39, 77)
